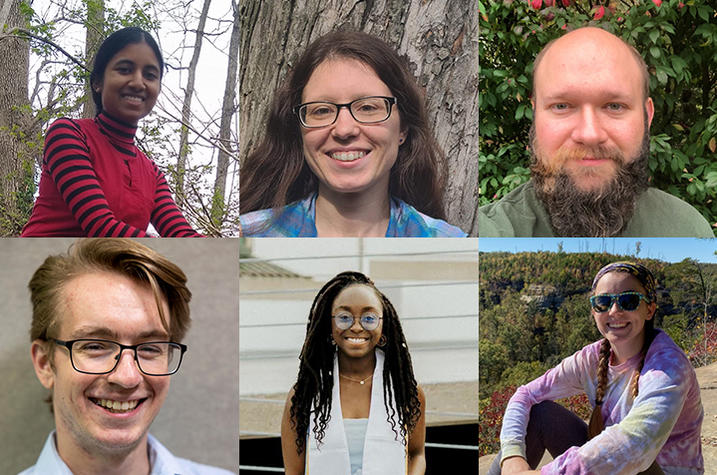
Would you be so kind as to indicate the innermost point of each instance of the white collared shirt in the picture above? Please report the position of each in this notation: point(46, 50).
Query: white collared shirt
point(161, 460)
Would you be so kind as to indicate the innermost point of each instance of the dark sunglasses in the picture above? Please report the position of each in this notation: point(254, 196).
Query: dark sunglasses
point(627, 301)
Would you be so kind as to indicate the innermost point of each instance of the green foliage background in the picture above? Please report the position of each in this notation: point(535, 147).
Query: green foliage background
point(679, 44)
point(521, 338)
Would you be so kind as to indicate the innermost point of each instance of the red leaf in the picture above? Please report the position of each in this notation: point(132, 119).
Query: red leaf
point(536, 4)
point(599, 13)
point(566, 3)
point(657, 2)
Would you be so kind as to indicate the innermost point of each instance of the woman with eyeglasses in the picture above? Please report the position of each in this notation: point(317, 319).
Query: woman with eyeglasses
point(356, 407)
point(348, 150)
point(647, 412)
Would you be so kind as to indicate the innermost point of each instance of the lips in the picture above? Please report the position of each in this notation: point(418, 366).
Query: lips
point(356, 340)
point(617, 325)
point(135, 99)
point(117, 407)
point(347, 155)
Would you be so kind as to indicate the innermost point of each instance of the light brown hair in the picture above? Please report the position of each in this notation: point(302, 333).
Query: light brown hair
point(120, 256)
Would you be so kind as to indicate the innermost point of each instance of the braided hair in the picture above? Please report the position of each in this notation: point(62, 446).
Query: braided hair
point(314, 385)
point(642, 274)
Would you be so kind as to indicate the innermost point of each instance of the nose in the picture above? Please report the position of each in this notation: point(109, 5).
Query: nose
point(356, 325)
point(126, 374)
point(589, 129)
point(345, 125)
point(614, 308)
point(136, 80)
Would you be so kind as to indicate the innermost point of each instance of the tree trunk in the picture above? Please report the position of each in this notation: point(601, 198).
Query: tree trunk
point(187, 106)
point(93, 39)
point(440, 40)
point(16, 161)
point(228, 110)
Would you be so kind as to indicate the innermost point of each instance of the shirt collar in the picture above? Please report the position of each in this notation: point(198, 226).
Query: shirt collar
point(160, 459)
point(115, 129)
point(403, 220)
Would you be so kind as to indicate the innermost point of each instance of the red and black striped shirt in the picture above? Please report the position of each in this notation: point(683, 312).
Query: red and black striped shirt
point(96, 182)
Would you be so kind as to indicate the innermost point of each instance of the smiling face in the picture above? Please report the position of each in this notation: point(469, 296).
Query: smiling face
point(114, 307)
point(625, 330)
point(591, 113)
point(131, 83)
point(347, 156)
point(356, 300)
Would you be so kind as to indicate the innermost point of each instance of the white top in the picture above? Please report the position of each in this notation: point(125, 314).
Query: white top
point(161, 460)
point(355, 438)
point(384, 453)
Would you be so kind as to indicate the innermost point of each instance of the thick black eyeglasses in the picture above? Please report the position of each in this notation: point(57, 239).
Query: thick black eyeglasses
point(96, 356)
point(368, 321)
point(366, 110)
point(627, 301)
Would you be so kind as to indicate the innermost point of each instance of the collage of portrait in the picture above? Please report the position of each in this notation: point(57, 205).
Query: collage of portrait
point(358, 238)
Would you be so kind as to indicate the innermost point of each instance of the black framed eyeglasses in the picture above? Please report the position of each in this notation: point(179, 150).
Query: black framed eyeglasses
point(368, 321)
point(627, 301)
point(97, 356)
point(366, 110)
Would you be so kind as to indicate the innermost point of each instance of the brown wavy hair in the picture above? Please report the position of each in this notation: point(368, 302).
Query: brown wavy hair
point(276, 174)
point(120, 256)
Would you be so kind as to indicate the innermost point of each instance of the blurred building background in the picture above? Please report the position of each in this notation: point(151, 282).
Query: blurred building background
point(433, 283)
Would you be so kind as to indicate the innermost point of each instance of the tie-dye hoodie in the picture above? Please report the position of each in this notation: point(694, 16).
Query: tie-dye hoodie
point(663, 422)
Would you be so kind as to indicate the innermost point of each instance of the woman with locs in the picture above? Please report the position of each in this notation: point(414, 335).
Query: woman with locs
point(647, 414)
point(95, 181)
point(356, 407)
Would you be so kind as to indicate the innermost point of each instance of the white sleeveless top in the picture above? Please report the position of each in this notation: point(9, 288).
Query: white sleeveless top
point(384, 453)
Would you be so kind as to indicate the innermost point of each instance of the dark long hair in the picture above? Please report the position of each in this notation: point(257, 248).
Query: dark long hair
point(314, 385)
point(110, 47)
point(276, 174)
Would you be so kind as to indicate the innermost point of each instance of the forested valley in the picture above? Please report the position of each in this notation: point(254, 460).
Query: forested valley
point(534, 311)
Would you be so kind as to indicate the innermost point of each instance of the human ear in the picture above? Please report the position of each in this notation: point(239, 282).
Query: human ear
point(651, 309)
point(41, 361)
point(649, 111)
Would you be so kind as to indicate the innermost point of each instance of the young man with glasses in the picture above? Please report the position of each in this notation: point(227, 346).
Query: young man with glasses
point(590, 146)
point(108, 321)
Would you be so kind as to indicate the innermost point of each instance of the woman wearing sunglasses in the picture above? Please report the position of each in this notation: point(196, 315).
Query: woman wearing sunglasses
point(348, 150)
point(647, 412)
point(356, 407)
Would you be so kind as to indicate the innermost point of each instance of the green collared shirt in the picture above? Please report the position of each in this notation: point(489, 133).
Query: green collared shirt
point(657, 214)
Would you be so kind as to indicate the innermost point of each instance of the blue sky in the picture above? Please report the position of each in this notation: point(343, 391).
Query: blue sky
point(665, 249)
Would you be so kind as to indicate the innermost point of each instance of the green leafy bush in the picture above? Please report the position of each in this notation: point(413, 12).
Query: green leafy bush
point(679, 43)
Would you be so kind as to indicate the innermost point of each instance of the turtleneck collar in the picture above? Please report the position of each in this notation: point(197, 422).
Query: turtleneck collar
point(115, 129)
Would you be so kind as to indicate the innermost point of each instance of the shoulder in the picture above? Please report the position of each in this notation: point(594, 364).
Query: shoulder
point(409, 222)
point(194, 468)
point(48, 461)
point(517, 214)
point(163, 462)
point(67, 128)
point(661, 214)
point(289, 221)
point(666, 357)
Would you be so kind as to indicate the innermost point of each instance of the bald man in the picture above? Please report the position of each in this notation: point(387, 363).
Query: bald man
point(590, 145)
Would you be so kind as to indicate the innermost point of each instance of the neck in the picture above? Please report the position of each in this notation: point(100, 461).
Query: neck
point(357, 368)
point(623, 352)
point(352, 214)
point(92, 460)
point(115, 128)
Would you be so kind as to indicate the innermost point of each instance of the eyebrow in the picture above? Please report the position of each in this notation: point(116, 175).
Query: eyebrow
point(104, 332)
point(610, 96)
point(346, 307)
point(130, 62)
